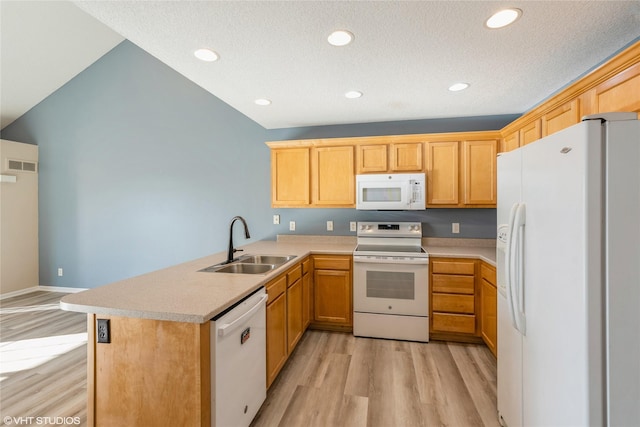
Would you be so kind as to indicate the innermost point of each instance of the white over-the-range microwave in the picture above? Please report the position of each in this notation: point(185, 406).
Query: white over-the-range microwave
point(391, 191)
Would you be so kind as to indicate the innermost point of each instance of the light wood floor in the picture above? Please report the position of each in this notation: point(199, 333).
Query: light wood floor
point(332, 379)
point(43, 360)
point(336, 379)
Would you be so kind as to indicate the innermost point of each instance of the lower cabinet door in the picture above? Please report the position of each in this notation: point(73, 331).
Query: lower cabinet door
point(489, 322)
point(276, 337)
point(332, 297)
point(294, 314)
point(307, 307)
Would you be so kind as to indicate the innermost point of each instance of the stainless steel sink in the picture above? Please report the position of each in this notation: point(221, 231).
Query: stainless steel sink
point(246, 268)
point(240, 268)
point(250, 264)
point(265, 259)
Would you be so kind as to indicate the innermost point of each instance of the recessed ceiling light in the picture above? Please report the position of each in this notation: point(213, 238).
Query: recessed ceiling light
point(352, 94)
point(340, 38)
point(206, 55)
point(503, 18)
point(263, 101)
point(458, 87)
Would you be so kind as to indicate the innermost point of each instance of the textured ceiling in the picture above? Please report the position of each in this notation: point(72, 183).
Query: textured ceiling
point(404, 57)
point(43, 45)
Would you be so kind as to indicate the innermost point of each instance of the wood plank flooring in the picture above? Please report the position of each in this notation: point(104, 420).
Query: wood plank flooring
point(336, 379)
point(43, 361)
point(331, 379)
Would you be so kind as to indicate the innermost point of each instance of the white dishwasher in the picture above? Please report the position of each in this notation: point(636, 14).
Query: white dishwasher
point(238, 362)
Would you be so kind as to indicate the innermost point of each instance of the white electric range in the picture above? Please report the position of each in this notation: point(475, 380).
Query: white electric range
point(391, 282)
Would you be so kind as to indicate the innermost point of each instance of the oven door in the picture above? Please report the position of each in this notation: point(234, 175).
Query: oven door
point(391, 286)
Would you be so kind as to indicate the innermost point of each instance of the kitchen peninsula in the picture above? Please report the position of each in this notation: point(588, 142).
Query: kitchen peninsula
point(160, 329)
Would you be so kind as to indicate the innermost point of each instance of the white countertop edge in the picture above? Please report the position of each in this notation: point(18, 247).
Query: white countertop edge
point(138, 314)
point(486, 254)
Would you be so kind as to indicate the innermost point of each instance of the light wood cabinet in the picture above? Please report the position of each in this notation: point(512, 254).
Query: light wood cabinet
point(277, 349)
point(560, 118)
point(290, 177)
point(372, 158)
point(128, 378)
point(460, 168)
point(332, 302)
point(405, 157)
point(287, 315)
point(619, 93)
point(530, 132)
point(442, 173)
point(612, 86)
point(295, 326)
point(510, 142)
point(307, 293)
point(333, 177)
point(313, 177)
point(479, 172)
point(393, 157)
point(489, 307)
point(453, 305)
point(466, 168)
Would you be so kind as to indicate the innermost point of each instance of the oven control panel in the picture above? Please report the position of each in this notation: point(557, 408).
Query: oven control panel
point(390, 229)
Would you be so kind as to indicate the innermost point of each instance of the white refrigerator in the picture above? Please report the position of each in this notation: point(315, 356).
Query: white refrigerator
point(568, 264)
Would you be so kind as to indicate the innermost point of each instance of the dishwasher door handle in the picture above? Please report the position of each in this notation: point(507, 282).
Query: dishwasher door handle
point(228, 327)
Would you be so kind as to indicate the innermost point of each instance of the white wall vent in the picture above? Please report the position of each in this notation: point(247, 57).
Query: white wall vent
point(22, 166)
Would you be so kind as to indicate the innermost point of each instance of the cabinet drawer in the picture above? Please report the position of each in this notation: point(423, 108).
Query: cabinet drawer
point(454, 303)
point(462, 323)
point(332, 263)
point(453, 267)
point(306, 266)
point(453, 284)
point(294, 274)
point(488, 273)
point(276, 287)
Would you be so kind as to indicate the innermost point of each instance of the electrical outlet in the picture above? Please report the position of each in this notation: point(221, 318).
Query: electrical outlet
point(60, 272)
point(353, 226)
point(104, 331)
point(455, 227)
point(292, 226)
point(276, 219)
point(329, 225)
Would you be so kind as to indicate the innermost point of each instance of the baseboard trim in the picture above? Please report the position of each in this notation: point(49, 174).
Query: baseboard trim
point(41, 288)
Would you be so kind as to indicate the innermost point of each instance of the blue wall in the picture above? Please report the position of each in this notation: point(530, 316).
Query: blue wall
point(139, 170)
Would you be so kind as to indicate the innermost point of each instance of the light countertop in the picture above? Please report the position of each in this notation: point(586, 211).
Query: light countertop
point(182, 293)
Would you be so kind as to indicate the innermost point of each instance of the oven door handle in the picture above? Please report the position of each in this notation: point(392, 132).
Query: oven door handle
point(368, 260)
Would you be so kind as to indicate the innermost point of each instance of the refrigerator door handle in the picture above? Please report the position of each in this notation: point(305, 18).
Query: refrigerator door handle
point(518, 303)
point(509, 264)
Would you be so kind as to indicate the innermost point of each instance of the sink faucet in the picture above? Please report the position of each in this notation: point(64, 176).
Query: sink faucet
point(246, 234)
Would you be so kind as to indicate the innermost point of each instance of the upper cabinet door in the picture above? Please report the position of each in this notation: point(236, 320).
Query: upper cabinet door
point(510, 142)
point(290, 177)
point(560, 118)
point(406, 157)
point(620, 93)
point(442, 173)
point(333, 177)
point(530, 132)
point(372, 158)
point(479, 172)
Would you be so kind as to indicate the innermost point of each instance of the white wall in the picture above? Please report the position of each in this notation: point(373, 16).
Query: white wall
point(18, 220)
